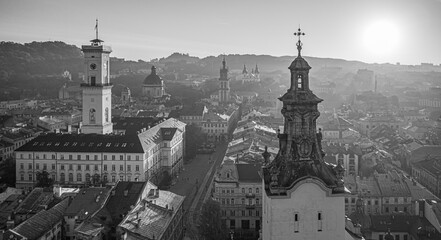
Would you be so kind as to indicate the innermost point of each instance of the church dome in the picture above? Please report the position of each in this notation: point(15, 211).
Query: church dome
point(299, 63)
point(153, 79)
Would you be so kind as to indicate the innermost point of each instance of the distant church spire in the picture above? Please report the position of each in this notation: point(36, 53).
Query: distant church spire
point(244, 71)
point(224, 63)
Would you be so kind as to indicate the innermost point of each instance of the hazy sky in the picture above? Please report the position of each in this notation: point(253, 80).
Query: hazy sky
point(406, 31)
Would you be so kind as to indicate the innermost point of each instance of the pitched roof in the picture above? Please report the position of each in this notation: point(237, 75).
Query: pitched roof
point(423, 152)
point(196, 109)
point(168, 133)
point(151, 217)
point(87, 202)
point(131, 125)
point(43, 221)
point(249, 172)
point(37, 200)
point(83, 143)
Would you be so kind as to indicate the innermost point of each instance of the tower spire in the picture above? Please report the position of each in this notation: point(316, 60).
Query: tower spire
point(224, 63)
point(299, 43)
point(96, 29)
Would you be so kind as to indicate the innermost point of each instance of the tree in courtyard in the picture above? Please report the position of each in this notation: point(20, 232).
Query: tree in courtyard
point(210, 224)
point(43, 180)
point(193, 139)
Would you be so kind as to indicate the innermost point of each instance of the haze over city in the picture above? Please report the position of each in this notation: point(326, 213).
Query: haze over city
point(226, 120)
point(405, 31)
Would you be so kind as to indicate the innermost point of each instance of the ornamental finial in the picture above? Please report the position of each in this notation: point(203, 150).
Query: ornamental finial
point(299, 43)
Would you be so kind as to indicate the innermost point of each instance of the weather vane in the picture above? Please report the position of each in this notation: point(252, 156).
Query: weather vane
point(299, 43)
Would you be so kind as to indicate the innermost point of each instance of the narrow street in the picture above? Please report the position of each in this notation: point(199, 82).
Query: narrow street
point(195, 183)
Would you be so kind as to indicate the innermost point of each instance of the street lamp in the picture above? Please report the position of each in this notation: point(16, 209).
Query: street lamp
point(231, 234)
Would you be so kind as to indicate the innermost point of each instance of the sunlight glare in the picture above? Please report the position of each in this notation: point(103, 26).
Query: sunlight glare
point(381, 38)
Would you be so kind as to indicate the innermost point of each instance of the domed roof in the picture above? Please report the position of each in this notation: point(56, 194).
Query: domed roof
point(153, 79)
point(299, 63)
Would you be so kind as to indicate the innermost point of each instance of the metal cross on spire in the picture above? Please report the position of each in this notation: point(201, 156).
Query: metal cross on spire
point(299, 43)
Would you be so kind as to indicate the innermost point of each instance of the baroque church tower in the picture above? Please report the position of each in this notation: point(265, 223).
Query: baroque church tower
point(97, 89)
point(224, 84)
point(303, 196)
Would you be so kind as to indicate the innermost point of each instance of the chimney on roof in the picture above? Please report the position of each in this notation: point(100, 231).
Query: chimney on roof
point(126, 192)
point(157, 192)
point(139, 222)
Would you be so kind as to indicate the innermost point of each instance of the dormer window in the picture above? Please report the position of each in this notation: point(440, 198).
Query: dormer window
point(300, 81)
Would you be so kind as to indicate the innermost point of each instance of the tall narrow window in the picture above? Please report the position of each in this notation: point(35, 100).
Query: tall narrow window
point(92, 116)
point(296, 222)
point(106, 112)
point(300, 81)
point(93, 80)
point(320, 221)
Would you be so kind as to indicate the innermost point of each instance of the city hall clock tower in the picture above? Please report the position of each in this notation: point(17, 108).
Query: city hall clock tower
point(97, 89)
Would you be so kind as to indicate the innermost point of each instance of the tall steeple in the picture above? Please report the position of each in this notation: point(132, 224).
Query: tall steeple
point(224, 85)
point(303, 196)
point(300, 152)
point(256, 71)
point(244, 71)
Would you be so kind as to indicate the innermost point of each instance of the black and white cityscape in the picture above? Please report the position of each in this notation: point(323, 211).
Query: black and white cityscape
point(198, 120)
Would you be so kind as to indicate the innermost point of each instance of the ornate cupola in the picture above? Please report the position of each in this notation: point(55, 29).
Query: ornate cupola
point(300, 153)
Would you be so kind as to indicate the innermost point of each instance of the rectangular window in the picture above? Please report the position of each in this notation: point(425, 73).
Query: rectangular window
point(37, 166)
point(380, 237)
point(128, 158)
point(70, 167)
point(22, 177)
point(397, 237)
point(95, 157)
point(53, 166)
point(21, 165)
point(87, 157)
point(129, 168)
point(79, 167)
point(137, 168)
point(87, 167)
point(113, 167)
point(30, 166)
point(113, 178)
point(105, 157)
point(62, 167)
point(319, 221)
point(137, 158)
point(96, 168)
point(113, 157)
point(70, 157)
point(296, 222)
point(105, 167)
point(121, 167)
point(30, 177)
point(121, 157)
point(78, 157)
point(44, 166)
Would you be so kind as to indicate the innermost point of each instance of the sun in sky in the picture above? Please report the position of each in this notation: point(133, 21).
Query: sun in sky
point(381, 38)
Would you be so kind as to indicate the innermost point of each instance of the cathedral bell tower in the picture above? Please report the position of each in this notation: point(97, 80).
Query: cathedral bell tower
point(97, 89)
point(304, 196)
point(224, 85)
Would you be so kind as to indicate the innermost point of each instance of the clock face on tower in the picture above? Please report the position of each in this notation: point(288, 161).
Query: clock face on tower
point(92, 66)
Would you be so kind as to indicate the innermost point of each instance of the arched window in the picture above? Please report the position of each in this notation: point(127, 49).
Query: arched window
point(92, 115)
point(88, 177)
point(106, 113)
point(70, 177)
point(79, 177)
point(300, 81)
point(62, 177)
